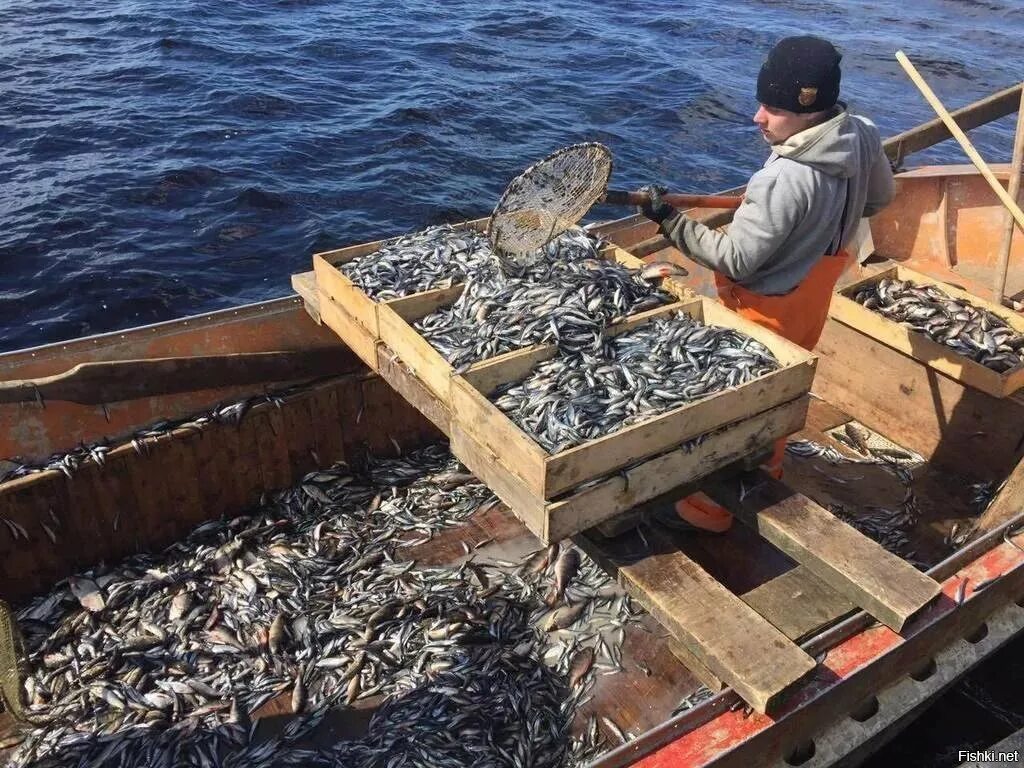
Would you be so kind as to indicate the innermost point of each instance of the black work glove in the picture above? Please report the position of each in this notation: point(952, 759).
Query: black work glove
point(656, 209)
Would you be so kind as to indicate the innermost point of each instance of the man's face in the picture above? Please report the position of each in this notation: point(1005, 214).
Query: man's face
point(777, 125)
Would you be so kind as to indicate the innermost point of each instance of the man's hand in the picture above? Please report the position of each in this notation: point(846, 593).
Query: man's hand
point(656, 209)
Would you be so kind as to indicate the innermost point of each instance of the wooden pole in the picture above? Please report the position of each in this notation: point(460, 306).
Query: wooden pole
point(1016, 168)
point(961, 137)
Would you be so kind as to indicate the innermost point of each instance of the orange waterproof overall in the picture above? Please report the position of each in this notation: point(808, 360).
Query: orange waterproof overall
point(798, 316)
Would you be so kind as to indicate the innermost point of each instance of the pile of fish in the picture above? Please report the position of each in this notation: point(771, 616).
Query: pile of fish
point(563, 294)
point(161, 660)
point(972, 332)
point(658, 366)
point(566, 298)
point(437, 257)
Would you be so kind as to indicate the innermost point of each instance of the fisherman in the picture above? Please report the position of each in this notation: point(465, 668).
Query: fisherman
point(779, 262)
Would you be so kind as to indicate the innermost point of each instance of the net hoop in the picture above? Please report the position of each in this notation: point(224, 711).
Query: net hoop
point(548, 198)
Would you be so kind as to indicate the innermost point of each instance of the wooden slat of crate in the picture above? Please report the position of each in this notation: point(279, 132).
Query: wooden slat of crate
point(507, 485)
point(721, 632)
point(918, 346)
point(415, 352)
point(622, 491)
point(549, 475)
point(353, 333)
point(412, 388)
point(884, 585)
point(555, 520)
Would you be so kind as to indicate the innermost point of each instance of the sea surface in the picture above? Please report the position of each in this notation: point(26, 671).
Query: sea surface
point(164, 159)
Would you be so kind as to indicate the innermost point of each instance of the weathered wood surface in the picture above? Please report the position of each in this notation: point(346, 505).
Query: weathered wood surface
point(887, 587)
point(357, 337)
point(798, 603)
point(955, 427)
point(109, 381)
point(725, 635)
point(620, 492)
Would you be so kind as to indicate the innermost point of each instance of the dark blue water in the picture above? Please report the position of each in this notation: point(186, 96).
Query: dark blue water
point(162, 159)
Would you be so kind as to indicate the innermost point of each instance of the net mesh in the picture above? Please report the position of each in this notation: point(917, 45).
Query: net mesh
point(548, 198)
point(11, 652)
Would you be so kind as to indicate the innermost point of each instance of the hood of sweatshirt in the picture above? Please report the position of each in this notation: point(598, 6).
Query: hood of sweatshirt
point(840, 146)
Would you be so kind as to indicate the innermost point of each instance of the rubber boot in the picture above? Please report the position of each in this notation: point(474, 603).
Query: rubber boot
point(703, 514)
point(773, 466)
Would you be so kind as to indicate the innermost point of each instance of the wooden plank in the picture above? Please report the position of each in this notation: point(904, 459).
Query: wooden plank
point(89, 497)
point(489, 427)
point(304, 284)
point(426, 363)
point(508, 487)
point(884, 585)
point(690, 660)
point(324, 406)
point(275, 465)
point(617, 494)
point(25, 566)
point(247, 465)
point(732, 641)
point(416, 306)
point(409, 386)
point(107, 381)
point(352, 333)
point(377, 407)
point(487, 375)
point(115, 500)
point(920, 347)
point(299, 437)
point(798, 603)
point(352, 418)
point(332, 284)
point(177, 462)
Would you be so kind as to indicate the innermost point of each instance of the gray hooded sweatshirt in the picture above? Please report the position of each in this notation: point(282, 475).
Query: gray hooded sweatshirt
point(794, 207)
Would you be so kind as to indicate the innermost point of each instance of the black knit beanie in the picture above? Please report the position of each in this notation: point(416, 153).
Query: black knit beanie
point(801, 74)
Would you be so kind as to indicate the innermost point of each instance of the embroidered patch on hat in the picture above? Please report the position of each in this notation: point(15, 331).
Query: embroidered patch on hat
point(807, 96)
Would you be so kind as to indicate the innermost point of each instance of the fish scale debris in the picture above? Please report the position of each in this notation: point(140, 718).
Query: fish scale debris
point(164, 658)
point(975, 333)
point(658, 366)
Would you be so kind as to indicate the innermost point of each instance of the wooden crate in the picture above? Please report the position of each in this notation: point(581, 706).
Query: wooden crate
point(918, 346)
point(543, 476)
point(553, 520)
point(546, 476)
